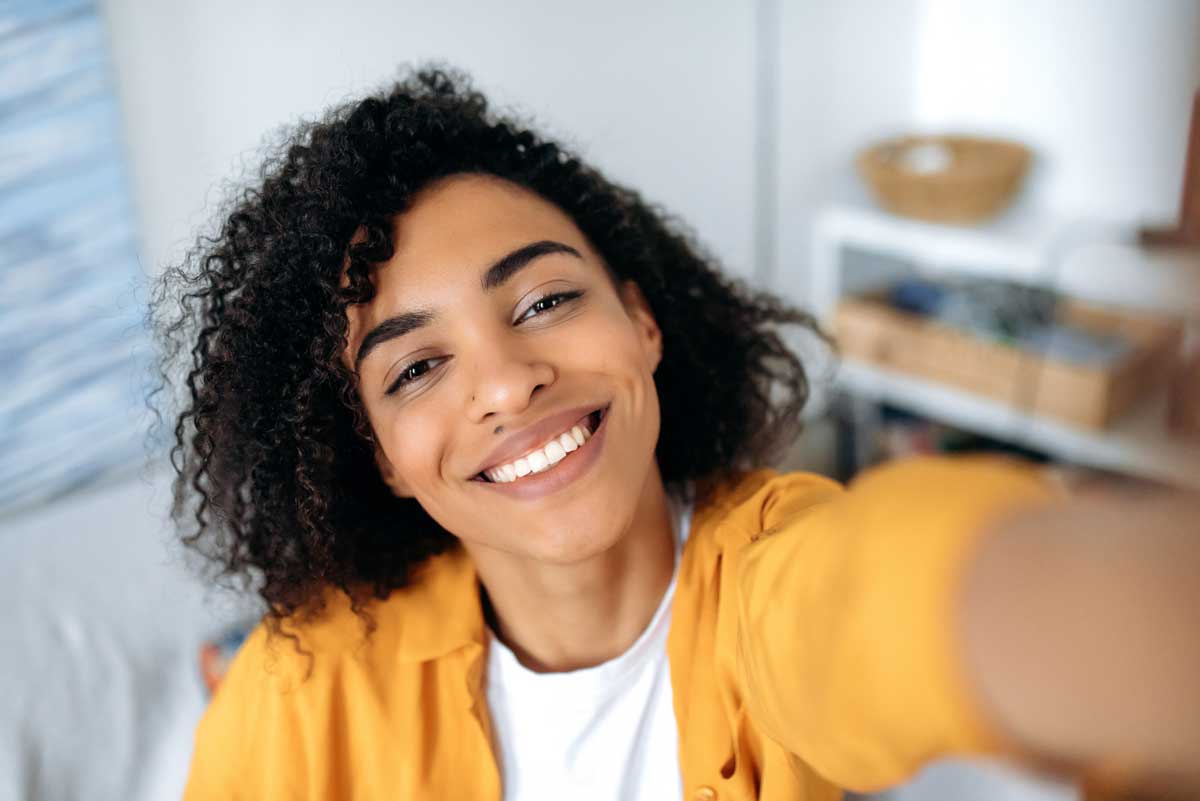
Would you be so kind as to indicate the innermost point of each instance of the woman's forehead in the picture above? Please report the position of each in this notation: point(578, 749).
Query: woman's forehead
point(474, 206)
point(458, 225)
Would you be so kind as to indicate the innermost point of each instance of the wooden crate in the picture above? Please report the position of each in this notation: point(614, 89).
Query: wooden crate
point(871, 331)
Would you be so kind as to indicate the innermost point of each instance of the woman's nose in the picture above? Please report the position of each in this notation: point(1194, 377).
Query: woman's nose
point(505, 378)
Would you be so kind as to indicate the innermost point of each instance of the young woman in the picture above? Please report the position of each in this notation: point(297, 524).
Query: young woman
point(482, 429)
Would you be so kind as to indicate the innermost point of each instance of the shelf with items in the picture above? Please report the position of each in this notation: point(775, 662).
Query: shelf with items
point(1137, 444)
point(858, 250)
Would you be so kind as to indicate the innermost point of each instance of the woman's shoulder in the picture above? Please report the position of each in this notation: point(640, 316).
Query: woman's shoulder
point(282, 654)
point(751, 501)
point(435, 613)
point(756, 500)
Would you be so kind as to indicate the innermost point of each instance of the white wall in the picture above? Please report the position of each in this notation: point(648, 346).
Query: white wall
point(662, 95)
point(1101, 90)
point(659, 95)
point(846, 78)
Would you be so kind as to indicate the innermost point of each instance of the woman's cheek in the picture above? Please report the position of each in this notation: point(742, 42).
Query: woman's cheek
point(416, 454)
point(611, 346)
point(429, 438)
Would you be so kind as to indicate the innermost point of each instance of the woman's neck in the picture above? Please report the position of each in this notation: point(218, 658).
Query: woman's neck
point(557, 618)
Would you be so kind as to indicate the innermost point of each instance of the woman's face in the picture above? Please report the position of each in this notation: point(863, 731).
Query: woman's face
point(495, 343)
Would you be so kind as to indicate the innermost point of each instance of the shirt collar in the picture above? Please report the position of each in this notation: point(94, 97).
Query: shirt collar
point(440, 610)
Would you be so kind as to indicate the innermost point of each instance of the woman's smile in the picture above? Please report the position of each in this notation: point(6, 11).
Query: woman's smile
point(542, 445)
point(564, 459)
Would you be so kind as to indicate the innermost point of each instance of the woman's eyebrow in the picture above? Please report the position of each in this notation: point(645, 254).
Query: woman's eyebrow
point(508, 266)
point(496, 275)
point(395, 326)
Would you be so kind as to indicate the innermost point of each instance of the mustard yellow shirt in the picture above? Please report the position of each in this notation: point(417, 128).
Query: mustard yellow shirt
point(812, 648)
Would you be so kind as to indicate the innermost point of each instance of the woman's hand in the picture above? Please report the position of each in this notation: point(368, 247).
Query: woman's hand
point(1082, 629)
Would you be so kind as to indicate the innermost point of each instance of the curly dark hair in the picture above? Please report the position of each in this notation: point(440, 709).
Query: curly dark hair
point(276, 480)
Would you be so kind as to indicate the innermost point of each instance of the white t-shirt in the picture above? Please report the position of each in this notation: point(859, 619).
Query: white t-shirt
point(599, 734)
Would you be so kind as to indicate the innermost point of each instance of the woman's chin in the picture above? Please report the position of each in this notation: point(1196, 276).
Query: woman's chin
point(566, 547)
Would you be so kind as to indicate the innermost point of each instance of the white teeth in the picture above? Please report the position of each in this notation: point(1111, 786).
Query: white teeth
point(544, 458)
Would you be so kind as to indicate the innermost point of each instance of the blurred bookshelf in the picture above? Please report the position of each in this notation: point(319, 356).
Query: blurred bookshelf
point(859, 249)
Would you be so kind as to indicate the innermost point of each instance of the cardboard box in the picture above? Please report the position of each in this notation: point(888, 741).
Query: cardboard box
point(869, 330)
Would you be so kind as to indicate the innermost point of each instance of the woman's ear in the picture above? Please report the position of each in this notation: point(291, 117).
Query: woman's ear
point(638, 309)
point(390, 476)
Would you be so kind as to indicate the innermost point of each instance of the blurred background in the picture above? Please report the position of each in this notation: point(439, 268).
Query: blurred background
point(985, 200)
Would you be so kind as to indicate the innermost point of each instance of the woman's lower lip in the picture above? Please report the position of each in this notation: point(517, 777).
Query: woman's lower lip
point(565, 472)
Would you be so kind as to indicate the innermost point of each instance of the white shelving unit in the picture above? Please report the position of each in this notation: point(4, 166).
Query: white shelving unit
point(1095, 262)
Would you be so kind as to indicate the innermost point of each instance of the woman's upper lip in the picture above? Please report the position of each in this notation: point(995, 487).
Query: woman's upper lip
point(539, 433)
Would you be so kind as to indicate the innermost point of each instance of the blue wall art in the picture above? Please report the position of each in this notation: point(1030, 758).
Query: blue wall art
point(73, 347)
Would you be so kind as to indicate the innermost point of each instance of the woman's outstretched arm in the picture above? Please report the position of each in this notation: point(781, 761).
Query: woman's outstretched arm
point(963, 607)
point(1081, 626)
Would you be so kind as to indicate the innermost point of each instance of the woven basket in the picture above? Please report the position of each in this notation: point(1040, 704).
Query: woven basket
point(978, 179)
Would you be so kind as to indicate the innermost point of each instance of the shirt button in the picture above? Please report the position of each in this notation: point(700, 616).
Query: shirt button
point(705, 793)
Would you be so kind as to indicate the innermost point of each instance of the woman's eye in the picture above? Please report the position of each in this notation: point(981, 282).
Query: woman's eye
point(545, 304)
point(416, 370)
point(412, 373)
